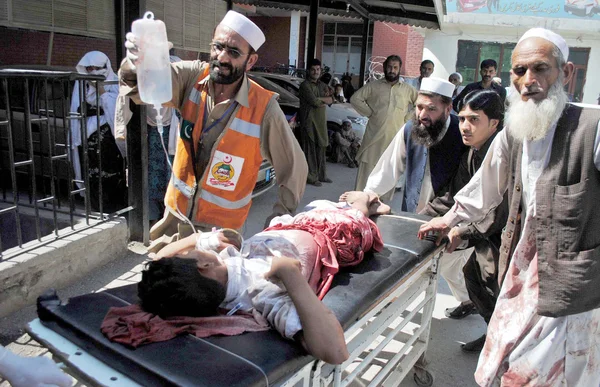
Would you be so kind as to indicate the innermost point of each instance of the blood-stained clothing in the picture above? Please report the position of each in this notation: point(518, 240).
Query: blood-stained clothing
point(246, 286)
point(524, 347)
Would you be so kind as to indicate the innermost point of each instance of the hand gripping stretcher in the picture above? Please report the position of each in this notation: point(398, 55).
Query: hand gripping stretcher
point(389, 296)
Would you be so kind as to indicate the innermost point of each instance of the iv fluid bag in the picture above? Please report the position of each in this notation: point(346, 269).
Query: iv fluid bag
point(153, 65)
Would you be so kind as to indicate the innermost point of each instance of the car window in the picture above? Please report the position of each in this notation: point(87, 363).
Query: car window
point(290, 86)
point(284, 95)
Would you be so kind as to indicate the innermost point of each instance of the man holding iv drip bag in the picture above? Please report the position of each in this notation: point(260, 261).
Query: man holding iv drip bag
point(229, 125)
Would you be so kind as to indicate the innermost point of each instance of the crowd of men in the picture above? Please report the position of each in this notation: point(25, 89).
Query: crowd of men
point(519, 188)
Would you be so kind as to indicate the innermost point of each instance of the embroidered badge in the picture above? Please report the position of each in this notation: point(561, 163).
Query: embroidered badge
point(225, 170)
point(186, 130)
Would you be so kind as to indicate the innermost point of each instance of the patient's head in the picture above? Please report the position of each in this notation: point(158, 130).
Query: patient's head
point(176, 287)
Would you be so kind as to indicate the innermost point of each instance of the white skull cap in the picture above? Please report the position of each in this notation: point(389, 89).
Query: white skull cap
point(245, 28)
point(438, 86)
point(550, 36)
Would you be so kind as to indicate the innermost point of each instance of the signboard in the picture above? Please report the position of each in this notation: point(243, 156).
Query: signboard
point(589, 9)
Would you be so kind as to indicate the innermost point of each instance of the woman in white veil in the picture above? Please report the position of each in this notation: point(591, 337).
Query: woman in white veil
point(98, 133)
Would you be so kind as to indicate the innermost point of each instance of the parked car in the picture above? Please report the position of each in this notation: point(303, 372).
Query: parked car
point(57, 96)
point(581, 7)
point(288, 102)
point(470, 5)
point(336, 113)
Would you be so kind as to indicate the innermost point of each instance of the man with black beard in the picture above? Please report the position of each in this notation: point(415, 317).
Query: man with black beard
point(388, 103)
point(426, 150)
point(545, 327)
point(229, 125)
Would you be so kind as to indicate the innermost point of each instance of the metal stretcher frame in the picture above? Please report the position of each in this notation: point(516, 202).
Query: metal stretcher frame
point(381, 323)
point(420, 286)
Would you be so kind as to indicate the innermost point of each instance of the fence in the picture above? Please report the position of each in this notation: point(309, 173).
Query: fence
point(41, 192)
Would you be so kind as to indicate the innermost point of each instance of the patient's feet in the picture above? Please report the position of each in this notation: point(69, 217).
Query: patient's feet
point(350, 196)
point(366, 202)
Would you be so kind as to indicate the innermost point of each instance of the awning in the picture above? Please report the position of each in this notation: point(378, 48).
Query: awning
point(417, 13)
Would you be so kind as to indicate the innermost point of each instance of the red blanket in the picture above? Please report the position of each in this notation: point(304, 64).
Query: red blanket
point(343, 237)
point(131, 326)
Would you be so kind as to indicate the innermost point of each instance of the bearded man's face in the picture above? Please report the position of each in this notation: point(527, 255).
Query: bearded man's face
point(392, 71)
point(430, 121)
point(534, 68)
point(537, 97)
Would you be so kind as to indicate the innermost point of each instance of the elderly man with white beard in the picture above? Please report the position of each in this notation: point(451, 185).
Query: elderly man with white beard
point(545, 329)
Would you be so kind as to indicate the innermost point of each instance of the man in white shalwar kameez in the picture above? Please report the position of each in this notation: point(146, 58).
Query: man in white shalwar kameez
point(426, 153)
point(545, 329)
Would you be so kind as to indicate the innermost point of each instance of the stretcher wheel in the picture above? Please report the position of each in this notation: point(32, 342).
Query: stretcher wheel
point(423, 378)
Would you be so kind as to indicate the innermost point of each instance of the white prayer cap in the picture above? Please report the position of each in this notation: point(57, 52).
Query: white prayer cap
point(550, 36)
point(460, 79)
point(245, 28)
point(438, 86)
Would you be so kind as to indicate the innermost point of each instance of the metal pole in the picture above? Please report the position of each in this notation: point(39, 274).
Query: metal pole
point(120, 30)
point(137, 165)
point(312, 30)
point(31, 162)
point(229, 5)
point(363, 52)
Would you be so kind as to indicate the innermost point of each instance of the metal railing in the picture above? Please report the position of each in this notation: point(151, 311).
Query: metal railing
point(36, 156)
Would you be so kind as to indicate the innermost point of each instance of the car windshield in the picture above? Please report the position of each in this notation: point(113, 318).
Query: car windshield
point(284, 95)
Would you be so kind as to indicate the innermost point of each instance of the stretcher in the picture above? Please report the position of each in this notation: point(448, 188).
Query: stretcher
point(387, 297)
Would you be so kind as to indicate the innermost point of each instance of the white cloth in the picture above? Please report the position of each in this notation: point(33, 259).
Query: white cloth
point(550, 36)
point(522, 347)
point(437, 85)
point(246, 287)
point(108, 102)
point(170, 120)
point(451, 268)
point(245, 28)
point(391, 167)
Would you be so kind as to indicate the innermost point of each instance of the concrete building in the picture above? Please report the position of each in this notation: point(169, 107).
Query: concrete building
point(471, 32)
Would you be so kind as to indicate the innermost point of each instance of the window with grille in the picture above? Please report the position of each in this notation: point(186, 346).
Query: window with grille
point(190, 24)
point(95, 18)
point(342, 43)
point(471, 54)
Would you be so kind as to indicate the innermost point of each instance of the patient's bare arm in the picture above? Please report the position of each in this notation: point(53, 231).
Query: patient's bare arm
point(178, 247)
point(225, 237)
point(323, 336)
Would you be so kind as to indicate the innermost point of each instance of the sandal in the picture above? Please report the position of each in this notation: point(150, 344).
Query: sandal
point(461, 311)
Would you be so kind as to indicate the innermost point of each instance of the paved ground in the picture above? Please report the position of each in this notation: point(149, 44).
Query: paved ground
point(450, 366)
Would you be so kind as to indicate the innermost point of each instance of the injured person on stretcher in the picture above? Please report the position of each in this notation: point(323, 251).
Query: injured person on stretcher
point(282, 272)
